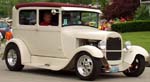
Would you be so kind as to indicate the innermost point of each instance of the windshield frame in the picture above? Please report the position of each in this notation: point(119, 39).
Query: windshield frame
point(97, 19)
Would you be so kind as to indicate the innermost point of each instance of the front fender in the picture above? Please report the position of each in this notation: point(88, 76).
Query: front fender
point(129, 55)
point(24, 52)
point(94, 51)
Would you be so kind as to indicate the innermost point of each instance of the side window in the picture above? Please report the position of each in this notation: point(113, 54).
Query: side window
point(48, 17)
point(27, 17)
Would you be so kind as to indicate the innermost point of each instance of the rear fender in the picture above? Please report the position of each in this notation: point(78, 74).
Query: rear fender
point(24, 52)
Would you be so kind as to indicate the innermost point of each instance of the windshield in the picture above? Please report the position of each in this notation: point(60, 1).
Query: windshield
point(80, 18)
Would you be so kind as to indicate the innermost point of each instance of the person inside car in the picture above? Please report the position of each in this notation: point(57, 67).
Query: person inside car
point(47, 17)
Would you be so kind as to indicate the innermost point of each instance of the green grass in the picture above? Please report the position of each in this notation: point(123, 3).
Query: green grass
point(138, 38)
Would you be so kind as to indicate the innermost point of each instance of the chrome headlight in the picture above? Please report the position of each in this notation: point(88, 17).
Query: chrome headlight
point(128, 45)
point(102, 45)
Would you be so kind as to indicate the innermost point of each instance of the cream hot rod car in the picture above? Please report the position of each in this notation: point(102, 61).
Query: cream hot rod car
point(60, 36)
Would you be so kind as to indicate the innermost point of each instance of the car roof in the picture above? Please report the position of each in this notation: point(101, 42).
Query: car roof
point(51, 4)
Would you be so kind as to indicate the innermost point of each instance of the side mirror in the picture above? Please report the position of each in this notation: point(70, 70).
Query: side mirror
point(54, 11)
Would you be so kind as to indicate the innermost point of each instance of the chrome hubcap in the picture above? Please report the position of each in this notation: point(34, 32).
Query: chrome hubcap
point(85, 65)
point(12, 57)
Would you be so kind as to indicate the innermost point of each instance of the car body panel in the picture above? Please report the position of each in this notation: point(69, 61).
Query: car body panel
point(24, 51)
point(129, 55)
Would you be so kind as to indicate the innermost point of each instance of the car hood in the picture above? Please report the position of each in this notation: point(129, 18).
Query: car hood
point(84, 32)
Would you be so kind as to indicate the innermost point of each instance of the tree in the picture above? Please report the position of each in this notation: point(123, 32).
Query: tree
point(121, 8)
point(103, 3)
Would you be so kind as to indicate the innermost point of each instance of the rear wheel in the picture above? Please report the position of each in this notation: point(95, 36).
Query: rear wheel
point(137, 67)
point(12, 58)
point(87, 67)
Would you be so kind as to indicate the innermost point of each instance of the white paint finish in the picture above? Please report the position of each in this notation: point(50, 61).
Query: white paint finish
point(129, 55)
point(27, 34)
point(86, 32)
point(123, 66)
point(15, 18)
point(24, 52)
point(116, 62)
point(92, 50)
point(49, 62)
point(80, 9)
point(71, 34)
point(49, 42)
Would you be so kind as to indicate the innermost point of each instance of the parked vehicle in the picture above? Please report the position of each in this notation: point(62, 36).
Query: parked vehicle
point(4, 27)
point(59, 36)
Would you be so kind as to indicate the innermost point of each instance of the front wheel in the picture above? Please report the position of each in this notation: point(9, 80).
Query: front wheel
point(137, 67)
point(87, 67)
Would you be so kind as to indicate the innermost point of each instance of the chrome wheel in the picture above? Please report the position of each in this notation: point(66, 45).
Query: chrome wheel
point(12, 57)
point(85, 65)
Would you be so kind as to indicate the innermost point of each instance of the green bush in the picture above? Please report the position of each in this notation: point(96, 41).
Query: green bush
point(132, 26)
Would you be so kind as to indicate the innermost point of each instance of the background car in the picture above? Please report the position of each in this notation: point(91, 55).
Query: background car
point(4, 27)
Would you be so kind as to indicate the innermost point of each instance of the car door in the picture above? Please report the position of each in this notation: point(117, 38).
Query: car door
point(27, 27)
point(49, 36)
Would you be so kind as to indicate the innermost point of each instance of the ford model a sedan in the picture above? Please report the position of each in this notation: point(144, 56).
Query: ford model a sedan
point(60, 36)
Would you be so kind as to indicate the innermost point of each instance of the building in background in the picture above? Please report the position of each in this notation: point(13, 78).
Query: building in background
point(146, 2)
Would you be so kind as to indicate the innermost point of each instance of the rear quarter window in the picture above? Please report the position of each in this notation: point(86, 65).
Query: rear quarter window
point(27, 17)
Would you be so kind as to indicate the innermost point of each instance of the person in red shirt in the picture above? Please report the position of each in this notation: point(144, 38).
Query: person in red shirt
point(47, 17)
